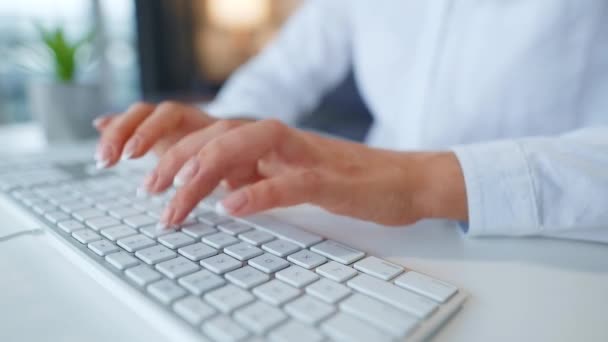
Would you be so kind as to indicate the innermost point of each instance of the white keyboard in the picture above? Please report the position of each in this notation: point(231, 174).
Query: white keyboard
point(223, 278)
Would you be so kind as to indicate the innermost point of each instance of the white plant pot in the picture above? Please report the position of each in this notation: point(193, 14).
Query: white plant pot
point(65, 110)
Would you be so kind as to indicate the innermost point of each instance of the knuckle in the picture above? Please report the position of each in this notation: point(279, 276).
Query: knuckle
point(311, 178)
point(226, 125)
point(213, 150)
point(169, 106)
point(277, 127)
point(140, 105)
point(271, 194)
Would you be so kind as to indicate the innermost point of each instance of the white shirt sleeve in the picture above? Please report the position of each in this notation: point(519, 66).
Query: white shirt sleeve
point(551, 186)
point(310, 56)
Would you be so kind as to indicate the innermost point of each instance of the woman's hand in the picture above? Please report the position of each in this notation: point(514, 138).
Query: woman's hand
point(144, 127)
point(269, 165)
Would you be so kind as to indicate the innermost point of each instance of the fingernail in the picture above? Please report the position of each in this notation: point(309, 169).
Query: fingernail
point(130, 148)
point(149, 181)
point(166, 218)
point(141, 192)
point(161, 227)
point(233, 203)
point(97, 122)
point(186, 173)
point(103, 155)
point(101, 164)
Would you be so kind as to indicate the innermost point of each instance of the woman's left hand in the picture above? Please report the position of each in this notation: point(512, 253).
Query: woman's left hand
point(268, 164)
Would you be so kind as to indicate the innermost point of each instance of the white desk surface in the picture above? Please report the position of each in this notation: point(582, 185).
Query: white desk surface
point(524, 289)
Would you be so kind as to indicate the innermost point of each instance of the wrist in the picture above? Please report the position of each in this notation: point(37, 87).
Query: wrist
point(442, 193)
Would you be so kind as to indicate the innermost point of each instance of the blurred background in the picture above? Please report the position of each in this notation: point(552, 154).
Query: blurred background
point(153, 50)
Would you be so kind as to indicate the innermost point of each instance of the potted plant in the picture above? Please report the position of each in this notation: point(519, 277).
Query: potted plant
point(63, 104)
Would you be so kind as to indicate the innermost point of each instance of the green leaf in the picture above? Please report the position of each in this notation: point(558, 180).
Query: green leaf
point(63, 51)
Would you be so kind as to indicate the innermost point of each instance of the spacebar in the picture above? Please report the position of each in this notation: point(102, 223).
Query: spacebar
point(386, 292)
point(283, 230)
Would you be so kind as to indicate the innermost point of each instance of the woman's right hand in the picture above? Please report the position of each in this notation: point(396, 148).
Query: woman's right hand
point(144, 127)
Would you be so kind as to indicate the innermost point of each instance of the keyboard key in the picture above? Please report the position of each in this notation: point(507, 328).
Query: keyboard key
point(243, 251)
point(103, 247)
point(199, 230)
point(345, 327)
point(70, 225)
point(280, 248)
point(72, 206)
point(259, 317)
point(102, 222)
point(135, 242)
point(43, 208)
point(247, 277)
point(234, 228)
point(276, 292)
point(220, 240)
point(295, 331)
point(309, 310)
point(138, 221)
point(284, 231)
point(256, 237)
point(153, 232)
point(337, 252)
point(328, 291)
point(118, 232)
point(268, 263)
point(177, 267)
point(197, 251)
point(223, 328)
point(212, 218)
point(297, 276)
point(85, 236)
point(201, 282)
point(336, 272)
point(221, 263)
point(114, 203)
point(124, 212)
point(229, 298)
point(155, 254)
point(386, 292)
point(425, 285)
point(176, 240)
point(122, 260)
point(85, 214)
point(57, 216)
point(193, 310)
point(307, 259)
point(381, 315)
point(142, 275)
point(378, 268)
point(166, 291)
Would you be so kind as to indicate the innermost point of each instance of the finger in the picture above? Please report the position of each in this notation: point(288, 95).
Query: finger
point(282, 191)
point(166, 117)
point(118, 131)
point(175, 157)
point(240, 147)
point(240, 177)
point(102, 122)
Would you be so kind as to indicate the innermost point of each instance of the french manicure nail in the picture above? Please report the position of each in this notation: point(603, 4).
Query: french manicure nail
point(97, 122)
point(130, 148)
point(103, 155)
point(101, 164)
point(233, 203)
point(220, 209)
point(186, 173)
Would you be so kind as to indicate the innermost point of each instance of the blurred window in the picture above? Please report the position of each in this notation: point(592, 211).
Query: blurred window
point(22, 55)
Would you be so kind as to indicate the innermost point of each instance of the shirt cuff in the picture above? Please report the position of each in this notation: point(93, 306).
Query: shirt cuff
point(500, 191)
